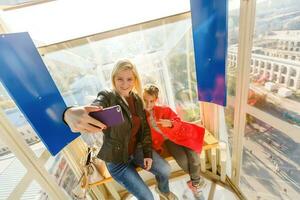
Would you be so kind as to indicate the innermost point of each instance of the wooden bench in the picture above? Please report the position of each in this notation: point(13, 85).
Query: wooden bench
point(210, 142)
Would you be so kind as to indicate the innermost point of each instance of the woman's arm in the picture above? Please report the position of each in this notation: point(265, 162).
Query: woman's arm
point(146, 139)
point(79, 120)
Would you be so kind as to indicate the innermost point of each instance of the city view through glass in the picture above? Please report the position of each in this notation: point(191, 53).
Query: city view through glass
point(270, 168)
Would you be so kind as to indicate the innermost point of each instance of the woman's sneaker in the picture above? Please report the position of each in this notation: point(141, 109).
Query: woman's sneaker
point(166, 196)
point(197, 189)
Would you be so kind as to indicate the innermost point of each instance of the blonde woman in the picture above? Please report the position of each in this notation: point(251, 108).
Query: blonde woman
point(129, 144)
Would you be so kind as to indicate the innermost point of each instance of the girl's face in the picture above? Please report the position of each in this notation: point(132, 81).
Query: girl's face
point(149, 100)
point(124, 82)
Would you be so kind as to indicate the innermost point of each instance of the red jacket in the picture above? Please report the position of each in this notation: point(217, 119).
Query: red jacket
point(182, 133)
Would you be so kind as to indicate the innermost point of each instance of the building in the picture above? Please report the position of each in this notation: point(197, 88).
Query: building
point(275, 59)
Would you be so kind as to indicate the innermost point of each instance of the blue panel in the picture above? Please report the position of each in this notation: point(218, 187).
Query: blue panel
point(209, 20)
point(29, 83)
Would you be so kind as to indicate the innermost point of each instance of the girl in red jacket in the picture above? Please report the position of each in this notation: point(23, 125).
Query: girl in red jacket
point(182, 140)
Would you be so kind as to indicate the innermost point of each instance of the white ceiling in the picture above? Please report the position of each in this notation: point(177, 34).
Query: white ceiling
point(62, 20)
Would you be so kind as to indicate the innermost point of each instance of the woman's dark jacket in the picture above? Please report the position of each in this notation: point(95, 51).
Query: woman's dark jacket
point(116, 138)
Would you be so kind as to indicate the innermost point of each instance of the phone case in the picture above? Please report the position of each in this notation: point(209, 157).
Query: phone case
point(110, 116)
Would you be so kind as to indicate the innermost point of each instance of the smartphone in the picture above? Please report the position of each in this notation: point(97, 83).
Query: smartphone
point(110, 116)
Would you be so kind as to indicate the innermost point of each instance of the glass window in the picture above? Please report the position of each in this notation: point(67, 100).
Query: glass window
point(14, 115)
point(229, 119)
point(276, 89)
point(233, 30)
point(11, 171)
point(184, 84)
point(270, 166)
point(34, 191)
point(60, 170)
point(18, 120)
point(159, 49)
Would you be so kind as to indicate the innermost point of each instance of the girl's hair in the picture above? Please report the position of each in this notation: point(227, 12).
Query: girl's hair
point(152, 90)
point(125, 64)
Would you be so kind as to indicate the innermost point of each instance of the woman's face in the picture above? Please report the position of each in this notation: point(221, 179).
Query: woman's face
point(149, 100)
point(124, 82)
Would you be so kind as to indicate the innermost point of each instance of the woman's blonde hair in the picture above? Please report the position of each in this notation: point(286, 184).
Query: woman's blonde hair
point(151, 89)
point(125, 64)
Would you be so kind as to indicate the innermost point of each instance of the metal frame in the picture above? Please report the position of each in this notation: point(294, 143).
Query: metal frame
point(35, 169)
point(279, 124)
point(246, 28)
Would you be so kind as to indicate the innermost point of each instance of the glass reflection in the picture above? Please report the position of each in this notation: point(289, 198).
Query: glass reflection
point(274, 70)
point(270, 168)
point(229, 119)
point(159, 50)
point(18, 120)
point(233, 30)
point(34, 191)
point(62, 173)
point(11, 171)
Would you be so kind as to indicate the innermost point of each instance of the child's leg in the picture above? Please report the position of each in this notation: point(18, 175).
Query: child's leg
point(186, 158)
point(189, 161)
point(178, 154)
point(196, 184)
point(194, 165)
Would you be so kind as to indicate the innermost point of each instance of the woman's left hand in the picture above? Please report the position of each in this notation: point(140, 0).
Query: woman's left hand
point(147, 163)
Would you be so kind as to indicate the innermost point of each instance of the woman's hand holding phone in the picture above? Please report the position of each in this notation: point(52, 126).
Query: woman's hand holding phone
point(79, 120)
point(110, 116)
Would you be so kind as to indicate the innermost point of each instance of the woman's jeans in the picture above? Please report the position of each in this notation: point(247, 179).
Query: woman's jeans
point(127, 176)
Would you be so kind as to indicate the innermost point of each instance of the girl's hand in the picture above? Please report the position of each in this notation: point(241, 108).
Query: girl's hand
point(165, 123)
point(79, 120)
point(147, 163)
